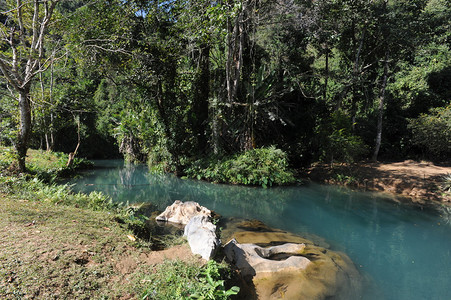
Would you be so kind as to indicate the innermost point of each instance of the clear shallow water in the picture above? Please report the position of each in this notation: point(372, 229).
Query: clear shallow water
point(404, 251)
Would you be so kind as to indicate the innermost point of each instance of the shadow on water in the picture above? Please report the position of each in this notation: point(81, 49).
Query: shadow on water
point(405, 249)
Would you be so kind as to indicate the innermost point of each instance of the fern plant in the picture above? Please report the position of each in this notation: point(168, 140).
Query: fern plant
point(446, 183)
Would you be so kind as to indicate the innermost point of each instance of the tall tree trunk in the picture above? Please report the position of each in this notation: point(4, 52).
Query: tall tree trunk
point(326, 76)
point(201, 95)
point(235, 45)
point(52, 137)
point(51, 143)
point(24, 127)
point(353, 112)
point(356, 73)
point(381, 108)
point(215, 126)
point(21, 57)
point(357, 70)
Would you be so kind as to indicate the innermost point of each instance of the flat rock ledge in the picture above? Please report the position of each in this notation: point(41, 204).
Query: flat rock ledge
point(253, 260)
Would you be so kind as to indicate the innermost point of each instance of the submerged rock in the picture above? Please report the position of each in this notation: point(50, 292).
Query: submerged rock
point(322, 273)
point(201, 235)
point(181, 213)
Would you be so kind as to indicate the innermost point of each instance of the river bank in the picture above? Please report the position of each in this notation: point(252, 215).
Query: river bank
point(328, 212)
point(59, 244)
point(419, 182)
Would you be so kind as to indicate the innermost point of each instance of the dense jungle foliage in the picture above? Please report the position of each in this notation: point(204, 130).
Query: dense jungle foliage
point(182, 84)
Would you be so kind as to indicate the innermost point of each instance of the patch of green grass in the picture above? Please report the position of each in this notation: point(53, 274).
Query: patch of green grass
point(53, 251)
point(45, 165)
point(181, 280)
point(344, 179)
point(37, 190)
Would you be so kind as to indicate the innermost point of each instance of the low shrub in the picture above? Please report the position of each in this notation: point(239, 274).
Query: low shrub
point(445, 185)
point(345, 147)
point(346, 179)
point(263, 166)
point(180, 280)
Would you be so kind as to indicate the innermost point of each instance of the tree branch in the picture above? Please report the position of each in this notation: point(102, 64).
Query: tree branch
point(4, 68)
point(111, 50)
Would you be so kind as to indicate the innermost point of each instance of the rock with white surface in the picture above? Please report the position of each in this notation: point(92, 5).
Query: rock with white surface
point(201, 235)
point(181, 212)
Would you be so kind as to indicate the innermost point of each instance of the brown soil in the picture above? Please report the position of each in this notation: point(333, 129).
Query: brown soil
point(417, 181)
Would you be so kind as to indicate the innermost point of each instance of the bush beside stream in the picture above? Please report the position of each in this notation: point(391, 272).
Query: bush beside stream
point(263, 166)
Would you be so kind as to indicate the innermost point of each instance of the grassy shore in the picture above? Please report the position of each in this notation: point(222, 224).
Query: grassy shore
point(51, 251)
point(61, 245)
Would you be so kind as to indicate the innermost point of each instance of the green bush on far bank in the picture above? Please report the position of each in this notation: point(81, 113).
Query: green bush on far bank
point(263, 166)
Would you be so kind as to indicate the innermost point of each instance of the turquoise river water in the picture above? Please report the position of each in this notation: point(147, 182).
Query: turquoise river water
point(403, 251)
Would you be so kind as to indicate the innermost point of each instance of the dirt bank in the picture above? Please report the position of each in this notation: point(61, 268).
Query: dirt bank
point(418, 181)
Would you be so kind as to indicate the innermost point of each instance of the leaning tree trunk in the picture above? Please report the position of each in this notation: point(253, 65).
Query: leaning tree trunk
point(25, 127)
point(381, 109)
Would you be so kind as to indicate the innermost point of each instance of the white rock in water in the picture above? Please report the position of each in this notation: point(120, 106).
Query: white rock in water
point(201, 235)
point(181, 213)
